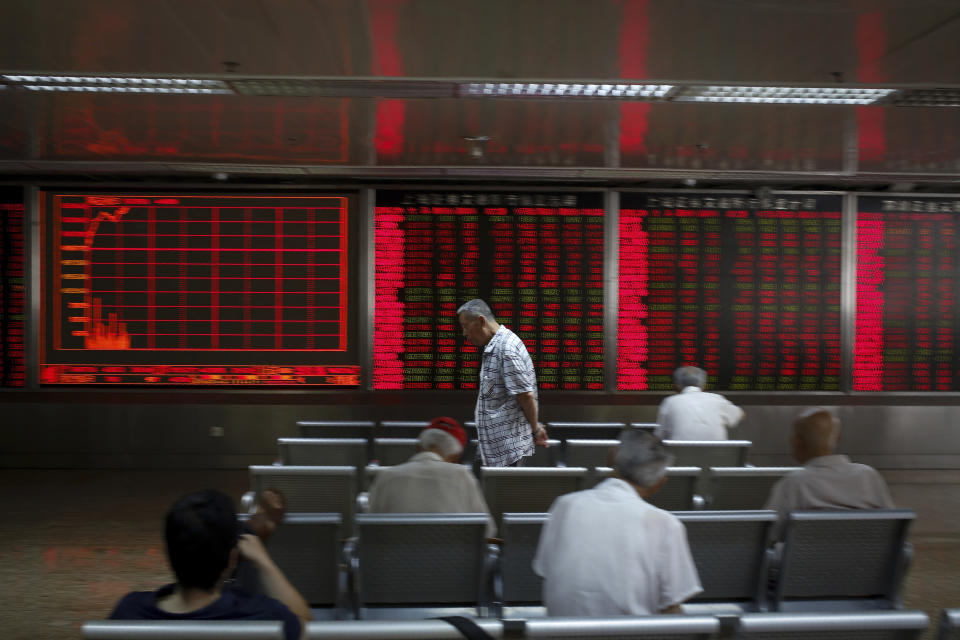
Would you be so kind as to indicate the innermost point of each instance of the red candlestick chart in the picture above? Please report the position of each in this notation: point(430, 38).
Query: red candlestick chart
point(231, 280)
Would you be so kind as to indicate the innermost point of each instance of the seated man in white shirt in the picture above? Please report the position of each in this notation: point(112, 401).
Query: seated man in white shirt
point(432, 481)
point(827, 480)
point(607, 552)
point(694, 414)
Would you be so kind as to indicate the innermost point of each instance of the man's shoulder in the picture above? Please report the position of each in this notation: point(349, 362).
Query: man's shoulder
point(440, 468)
point(245, 605)
point(233, 604)
point(136, 605)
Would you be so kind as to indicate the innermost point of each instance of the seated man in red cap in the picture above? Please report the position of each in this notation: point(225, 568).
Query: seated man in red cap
point(432, 481)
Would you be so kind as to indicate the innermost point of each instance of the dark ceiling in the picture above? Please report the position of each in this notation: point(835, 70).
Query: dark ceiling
point(379, 135)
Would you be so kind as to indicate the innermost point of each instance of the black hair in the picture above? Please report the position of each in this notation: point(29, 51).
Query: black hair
point(201, 530)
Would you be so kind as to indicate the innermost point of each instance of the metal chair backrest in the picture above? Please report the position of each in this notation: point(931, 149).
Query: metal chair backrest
point(310, 489)
point(401, 428)
point(730, 551)
point(741, 488)
point(949, 625)
point(528, 489)
point(182, 630)
point(430, 559)
point(306, 547)
point(677, 494)
point(874, 625)
point(585, 430)
point(323, 452)
point(336, 428)
point(395, 630)
point(709, 453)
point(855, 555)
point(544, 456)
point(589, 453)
point(521, 535)
point(388, 452)
point(686, 627)
point(645, 426)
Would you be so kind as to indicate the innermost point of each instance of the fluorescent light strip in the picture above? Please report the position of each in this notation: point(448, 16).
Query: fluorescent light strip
point(784, 95)
point(89, 89)
point(119, 84)
point(563, 90)
point(111, 80)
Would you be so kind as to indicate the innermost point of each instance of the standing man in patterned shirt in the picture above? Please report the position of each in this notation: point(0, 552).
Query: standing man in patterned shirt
point(507, 411)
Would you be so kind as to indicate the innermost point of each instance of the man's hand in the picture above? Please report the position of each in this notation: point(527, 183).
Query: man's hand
point(540, 437)
point(253, 550)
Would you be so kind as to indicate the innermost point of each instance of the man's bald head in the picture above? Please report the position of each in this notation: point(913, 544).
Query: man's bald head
point(815, 434)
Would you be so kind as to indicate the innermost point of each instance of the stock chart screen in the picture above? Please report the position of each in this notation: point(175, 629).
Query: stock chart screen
point(907, 318)
point(536, 258)
point(747, 289)
point(13, 371)
point(197, 289)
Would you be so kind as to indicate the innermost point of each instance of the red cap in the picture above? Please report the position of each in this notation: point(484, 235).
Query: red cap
point(451, 426)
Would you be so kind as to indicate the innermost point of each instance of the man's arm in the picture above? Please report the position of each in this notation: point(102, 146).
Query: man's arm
point(528, 403)
point(275, 584)
point(732, 414)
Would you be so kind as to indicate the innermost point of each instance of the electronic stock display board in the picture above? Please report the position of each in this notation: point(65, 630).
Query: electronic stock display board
point(536, 258)
point(12, 290)
point(747, 289)
point(197, 289)
point(908, 272)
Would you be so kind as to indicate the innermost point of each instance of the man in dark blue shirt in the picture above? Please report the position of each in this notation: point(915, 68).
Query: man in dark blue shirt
point(204, 544)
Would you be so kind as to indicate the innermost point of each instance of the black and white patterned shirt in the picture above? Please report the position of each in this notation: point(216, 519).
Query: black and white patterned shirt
point(507, 370)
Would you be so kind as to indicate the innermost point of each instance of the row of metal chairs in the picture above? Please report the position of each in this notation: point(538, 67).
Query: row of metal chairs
point(370, 429)
point(422, 565)
point(572, 452)
point(878, 625)
point(310, 489)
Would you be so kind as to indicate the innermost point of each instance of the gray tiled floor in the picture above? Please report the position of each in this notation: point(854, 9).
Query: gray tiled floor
point(75, 541)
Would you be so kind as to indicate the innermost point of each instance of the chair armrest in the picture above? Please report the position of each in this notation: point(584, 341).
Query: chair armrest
point(248, 502)
point(491, 592)
point(350, 567)
point(363, 502)
point(904, 561)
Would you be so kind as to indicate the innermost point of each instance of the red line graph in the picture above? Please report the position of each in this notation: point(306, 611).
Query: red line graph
point(91, 231)
point(199, 288)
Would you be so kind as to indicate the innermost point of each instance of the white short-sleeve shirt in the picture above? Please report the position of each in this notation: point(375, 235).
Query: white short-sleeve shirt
point(607, 552)
point(694, 414)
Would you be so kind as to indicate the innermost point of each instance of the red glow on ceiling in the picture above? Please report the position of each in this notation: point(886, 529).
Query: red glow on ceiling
point(871, 122)
point(632, 50)
point(387, 61)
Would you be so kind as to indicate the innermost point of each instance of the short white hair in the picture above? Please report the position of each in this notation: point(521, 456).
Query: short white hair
point(641, 457)
point(690, 377)
point(475, 308)
point(438, 440)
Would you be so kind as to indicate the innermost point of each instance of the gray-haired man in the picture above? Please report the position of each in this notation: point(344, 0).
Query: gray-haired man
point(694, 414)
point(607, 552)
point(507, 409)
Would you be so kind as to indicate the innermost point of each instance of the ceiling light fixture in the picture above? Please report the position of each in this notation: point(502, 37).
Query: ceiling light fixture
point(933, 97)
point(782, 95)
point(117, 84)
point(565, 90)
